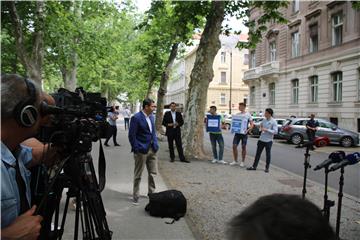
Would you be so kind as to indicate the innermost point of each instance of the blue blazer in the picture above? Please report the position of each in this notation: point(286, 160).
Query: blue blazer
point(140, 137)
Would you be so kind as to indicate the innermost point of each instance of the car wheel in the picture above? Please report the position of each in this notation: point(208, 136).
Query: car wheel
point(296, 138)
point(228, 126)
point(346, 142)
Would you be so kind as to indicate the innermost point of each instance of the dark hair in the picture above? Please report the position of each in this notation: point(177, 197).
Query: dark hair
point(280, 217)
point(269, 110)
point(214, 107)
point(116, 107)
point(147, 102)
point(242, 104)
point(173, 103)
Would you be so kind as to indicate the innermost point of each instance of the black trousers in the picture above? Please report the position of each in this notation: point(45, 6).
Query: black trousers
point(112, 132)
point(310, 134)
point(260, 147)
point(127, 122)
point(177, 137)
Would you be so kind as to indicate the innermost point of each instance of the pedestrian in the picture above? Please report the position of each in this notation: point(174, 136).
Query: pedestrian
point(268, 128)
point(144, 145)
point(112, 117)
point(280, 217)
point(127, 115)
point(173, 121)
point(214, 123)
point(260, 113)
point(243, 120)
point(311, 128)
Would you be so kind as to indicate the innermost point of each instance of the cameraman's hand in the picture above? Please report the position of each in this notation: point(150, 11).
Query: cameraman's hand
point(26, 226)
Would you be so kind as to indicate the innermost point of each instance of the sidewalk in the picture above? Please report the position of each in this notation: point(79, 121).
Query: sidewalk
point(126, 220)
point(217, 192)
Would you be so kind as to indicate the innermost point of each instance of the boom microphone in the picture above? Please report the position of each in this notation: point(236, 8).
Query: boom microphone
point(334, 157)
point(350, 159)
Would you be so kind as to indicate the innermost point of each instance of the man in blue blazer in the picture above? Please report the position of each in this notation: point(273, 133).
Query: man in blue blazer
point(144, 145)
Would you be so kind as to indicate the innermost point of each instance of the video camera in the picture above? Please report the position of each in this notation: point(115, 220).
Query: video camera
point(77, 120)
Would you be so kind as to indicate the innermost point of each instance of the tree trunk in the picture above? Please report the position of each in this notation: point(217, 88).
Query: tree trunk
point(150, 85)
point(32, 61)
point(70, 80)
point(163, 88)
point(201, 75)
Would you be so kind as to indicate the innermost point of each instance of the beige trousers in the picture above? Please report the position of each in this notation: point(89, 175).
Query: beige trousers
point(150, 160)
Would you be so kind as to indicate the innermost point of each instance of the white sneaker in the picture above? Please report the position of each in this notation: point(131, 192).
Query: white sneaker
point(242, 165)
point(234, 163)
point(214, 161)
point(222, 162)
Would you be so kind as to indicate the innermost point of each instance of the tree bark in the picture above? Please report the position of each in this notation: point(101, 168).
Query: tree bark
point(70, 80)
point(32, 61)
point(163, 88)
point(200, 78)
point(150, 85)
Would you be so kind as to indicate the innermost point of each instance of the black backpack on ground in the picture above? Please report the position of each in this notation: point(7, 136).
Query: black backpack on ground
point(167, 204)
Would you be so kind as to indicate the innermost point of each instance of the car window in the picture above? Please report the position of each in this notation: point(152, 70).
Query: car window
point(326, 124)
point(301, 122)
point(280, 122)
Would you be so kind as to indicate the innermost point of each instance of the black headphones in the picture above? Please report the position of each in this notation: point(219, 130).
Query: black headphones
point(25, 113)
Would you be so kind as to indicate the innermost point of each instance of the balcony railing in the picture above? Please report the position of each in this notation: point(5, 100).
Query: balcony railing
point(262, 71)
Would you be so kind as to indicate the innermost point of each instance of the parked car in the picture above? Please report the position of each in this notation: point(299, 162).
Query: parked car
point(256, 129)
point(294, 130)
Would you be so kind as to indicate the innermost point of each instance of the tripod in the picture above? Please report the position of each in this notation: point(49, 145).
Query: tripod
point(327, 203)
point(340, 195)
point(79, 176)
point(306, 166)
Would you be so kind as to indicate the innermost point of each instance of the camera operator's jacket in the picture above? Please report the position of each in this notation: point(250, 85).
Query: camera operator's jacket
point(140, 136)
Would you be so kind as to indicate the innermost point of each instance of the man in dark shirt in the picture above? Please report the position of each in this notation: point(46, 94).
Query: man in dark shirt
point(311, 127)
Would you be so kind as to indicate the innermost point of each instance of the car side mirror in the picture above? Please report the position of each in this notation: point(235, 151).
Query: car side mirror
point(334, 128)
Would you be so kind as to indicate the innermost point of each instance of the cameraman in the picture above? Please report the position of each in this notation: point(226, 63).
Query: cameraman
point(20, 121)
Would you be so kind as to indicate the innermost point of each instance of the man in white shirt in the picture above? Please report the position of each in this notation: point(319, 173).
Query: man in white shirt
point(244, 119)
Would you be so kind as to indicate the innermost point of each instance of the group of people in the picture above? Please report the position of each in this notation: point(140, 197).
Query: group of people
point(242, 125)
point(22, 117)
point(113, 115)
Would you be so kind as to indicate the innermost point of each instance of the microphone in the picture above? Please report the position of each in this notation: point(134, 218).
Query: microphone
point(350, 159)
point(334, 157)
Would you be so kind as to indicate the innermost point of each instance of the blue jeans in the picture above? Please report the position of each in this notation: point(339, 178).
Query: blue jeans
point(217, 138)
point(260, 147)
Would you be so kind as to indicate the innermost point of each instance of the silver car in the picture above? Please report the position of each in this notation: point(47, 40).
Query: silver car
point(294, 130)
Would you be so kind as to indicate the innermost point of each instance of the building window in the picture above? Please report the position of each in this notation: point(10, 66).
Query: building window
point(337, 86)
point(295, 44)
point(337, 28)
point(223, 57)
point(295, 91)
point(223, 77)
point(314, 89)
point(272, 48)
point(222, 99)
point(358, 124)
point(313, 43)
point(272, 93)
point(252, 96)
point(246, 59)
point(295, 5)
point(253, 59)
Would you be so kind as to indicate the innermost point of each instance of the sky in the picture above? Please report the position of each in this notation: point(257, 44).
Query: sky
point(235, 24)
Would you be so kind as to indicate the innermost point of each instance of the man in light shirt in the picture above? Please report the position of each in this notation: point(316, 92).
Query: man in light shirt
point(244, 119)
point(268, 128)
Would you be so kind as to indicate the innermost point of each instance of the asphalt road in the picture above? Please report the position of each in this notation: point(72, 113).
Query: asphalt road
point(286, 156)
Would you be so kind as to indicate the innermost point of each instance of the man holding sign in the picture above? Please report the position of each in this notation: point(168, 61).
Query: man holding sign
point(239, 126)
point(213, 126)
